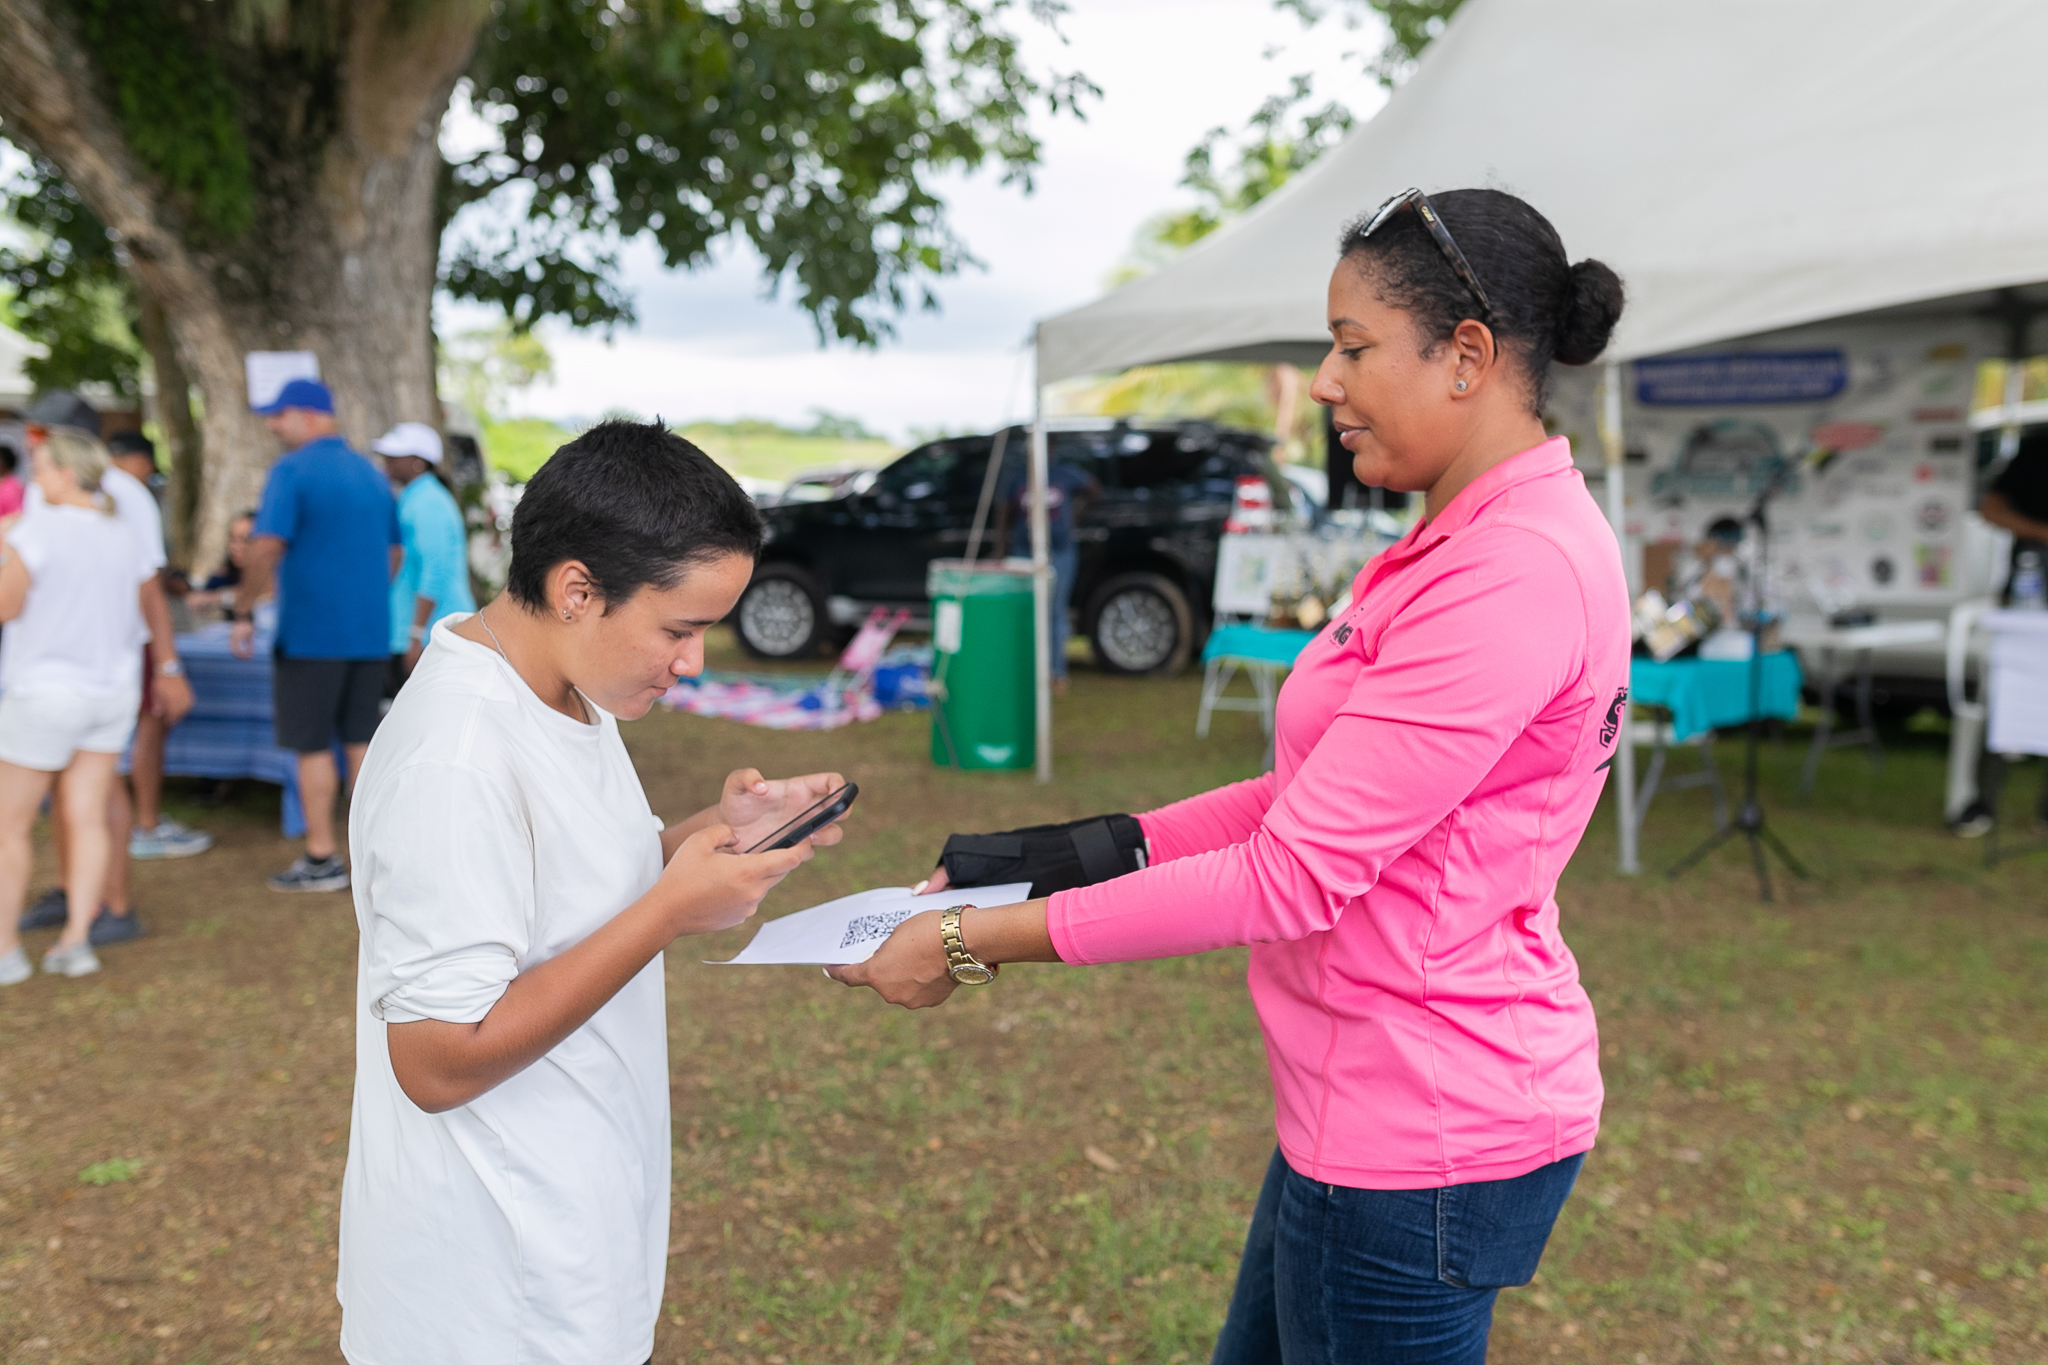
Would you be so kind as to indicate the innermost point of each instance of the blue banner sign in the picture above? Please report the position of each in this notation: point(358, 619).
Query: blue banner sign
point(1742, 379)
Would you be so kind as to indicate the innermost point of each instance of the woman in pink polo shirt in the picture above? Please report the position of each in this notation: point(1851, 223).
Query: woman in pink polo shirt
point(1440, 748)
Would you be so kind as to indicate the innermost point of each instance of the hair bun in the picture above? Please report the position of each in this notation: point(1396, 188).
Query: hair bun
point(1590, 311)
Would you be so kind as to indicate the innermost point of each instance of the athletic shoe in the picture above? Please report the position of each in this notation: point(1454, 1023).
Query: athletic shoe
point(14, 968)
point(311, 874)
point(49, 912)
point(168, 840)
point(113, 928)
point(76, 960)
point(1975, 822)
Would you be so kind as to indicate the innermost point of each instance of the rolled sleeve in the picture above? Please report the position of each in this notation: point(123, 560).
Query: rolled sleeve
point(450, 886)
point(1428, 718)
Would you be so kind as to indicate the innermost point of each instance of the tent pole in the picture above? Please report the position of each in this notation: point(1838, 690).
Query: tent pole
point(1617, 516)
point(1041, 581)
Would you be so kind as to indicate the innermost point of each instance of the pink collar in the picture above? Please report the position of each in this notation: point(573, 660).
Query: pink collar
point(1554, 456)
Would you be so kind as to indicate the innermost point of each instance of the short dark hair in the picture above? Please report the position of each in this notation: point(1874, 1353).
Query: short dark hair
point(1543, 307)
point(132, 443)
point(635, 504)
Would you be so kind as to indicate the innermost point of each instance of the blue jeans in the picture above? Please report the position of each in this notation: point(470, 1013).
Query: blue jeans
point(1337, 1276)
point(1066, 563)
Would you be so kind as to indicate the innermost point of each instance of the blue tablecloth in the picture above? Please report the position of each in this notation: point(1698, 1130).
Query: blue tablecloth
point(1708, 694)
point(228, 731)
point(1256, 642)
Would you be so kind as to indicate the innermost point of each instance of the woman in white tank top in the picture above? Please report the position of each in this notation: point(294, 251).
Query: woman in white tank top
point(70, 683)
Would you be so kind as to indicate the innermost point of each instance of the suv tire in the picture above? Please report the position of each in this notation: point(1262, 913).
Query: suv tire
point(781, 615)
point(1140, 623)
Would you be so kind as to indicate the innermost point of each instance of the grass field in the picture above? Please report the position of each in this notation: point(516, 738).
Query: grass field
point(758, 450)
point(1826, 1136)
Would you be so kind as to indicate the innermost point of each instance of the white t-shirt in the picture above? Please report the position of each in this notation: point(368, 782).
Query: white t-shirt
point(135, 508)
point(76, 631)
point(490, 833)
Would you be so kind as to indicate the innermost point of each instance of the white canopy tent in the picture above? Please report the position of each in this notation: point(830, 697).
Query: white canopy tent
point(1746, 166)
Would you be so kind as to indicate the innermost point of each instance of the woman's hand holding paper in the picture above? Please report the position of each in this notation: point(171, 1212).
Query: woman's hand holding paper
point(909, 969)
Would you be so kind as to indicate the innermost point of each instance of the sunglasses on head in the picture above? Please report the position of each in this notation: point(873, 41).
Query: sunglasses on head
point(1424, 210)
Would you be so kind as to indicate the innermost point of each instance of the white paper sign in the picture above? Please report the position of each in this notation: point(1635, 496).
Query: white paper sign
point(270, 371)
point(851, 928)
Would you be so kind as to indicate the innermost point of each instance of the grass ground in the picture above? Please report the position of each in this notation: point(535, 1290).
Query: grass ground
point(1826, 1136)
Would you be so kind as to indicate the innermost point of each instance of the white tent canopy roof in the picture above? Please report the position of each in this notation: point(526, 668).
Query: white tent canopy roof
point(1745, 165)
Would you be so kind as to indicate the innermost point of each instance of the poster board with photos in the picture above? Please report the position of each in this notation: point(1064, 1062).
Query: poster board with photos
point(1864, 426)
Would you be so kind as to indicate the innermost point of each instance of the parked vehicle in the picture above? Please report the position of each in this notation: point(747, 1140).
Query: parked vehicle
point(1147, 545)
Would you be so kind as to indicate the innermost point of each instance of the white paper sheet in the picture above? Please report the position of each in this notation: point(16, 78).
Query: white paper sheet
point(851, 928)
point(269, 371)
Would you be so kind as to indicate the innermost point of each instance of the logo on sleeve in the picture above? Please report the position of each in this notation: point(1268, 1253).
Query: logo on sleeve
point(1611, 727)
point(1342, 635)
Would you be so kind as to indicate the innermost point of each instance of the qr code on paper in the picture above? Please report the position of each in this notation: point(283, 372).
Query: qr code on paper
point(868, 928)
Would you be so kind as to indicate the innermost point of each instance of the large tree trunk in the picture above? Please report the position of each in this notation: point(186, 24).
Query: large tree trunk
point(180, 429)
point(342, 257)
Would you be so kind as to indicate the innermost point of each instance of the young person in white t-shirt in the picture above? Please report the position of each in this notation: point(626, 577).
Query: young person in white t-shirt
point(70, 680)
point(506, 1194)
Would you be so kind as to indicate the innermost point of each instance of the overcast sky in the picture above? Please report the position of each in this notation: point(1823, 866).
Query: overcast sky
point(709, 346)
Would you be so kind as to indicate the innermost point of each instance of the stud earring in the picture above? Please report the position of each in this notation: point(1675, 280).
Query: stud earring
point(565, 616)
point(1461, 386)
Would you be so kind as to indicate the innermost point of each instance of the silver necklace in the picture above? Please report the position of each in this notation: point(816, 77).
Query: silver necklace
point(484, 621)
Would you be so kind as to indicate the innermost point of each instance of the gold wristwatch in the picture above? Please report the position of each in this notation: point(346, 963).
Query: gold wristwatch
point(963, 966)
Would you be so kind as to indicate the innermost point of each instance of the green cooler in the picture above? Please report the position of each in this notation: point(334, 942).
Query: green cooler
point(984, 714)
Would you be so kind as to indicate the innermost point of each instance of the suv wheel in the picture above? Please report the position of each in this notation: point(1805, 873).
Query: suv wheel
point(781, 615)
point(1140, 623)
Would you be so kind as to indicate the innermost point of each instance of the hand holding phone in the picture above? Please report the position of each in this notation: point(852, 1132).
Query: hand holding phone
point(828, 809)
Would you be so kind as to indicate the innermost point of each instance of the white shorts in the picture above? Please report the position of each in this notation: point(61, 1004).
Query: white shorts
point(42, 730)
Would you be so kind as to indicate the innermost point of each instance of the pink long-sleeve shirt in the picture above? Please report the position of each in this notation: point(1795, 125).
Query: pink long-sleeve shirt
point(1439, 749)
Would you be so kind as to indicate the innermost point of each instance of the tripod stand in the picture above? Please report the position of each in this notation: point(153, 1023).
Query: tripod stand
point(1749, 812)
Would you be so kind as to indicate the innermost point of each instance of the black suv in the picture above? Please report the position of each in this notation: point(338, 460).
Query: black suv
point(1148, 545)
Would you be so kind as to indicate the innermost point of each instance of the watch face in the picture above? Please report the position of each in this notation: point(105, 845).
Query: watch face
point(968, 974)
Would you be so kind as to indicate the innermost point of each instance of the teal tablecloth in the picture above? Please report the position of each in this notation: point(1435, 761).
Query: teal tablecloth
point(1710, 694)
point(1256, 642)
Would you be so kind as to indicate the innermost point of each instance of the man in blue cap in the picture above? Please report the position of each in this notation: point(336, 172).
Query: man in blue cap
point(328, 528)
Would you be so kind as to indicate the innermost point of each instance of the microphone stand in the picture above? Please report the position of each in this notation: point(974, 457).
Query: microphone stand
point(1749, 814)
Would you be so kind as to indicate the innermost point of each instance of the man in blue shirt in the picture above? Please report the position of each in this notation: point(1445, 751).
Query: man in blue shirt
point(328, 528)
point(434, 579)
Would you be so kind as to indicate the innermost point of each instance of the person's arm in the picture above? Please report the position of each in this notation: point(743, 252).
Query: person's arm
point(1997, 509)
point(706, 887)
point(14, 582)
point(259, 566)
point(172, 696)
point(1421, 728)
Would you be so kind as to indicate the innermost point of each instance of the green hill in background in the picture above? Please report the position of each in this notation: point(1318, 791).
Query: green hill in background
point(750, 448)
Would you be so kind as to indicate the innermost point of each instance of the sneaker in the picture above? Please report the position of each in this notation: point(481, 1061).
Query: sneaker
point(168, 840)
point(113, 928)
point(49, 912)
point(1975, 822)
point(14, 968)
point(312, 874)
point(76, 960)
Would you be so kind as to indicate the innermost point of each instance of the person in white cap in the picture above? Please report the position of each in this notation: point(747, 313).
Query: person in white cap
point(433, 580)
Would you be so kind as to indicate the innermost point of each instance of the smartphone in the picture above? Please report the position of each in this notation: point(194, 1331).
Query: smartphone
point(811, 821)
